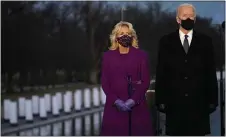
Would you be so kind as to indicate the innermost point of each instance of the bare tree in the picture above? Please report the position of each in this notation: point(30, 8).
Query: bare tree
point(92, 13)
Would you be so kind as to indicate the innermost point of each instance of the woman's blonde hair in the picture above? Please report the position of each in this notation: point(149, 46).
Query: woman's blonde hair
point(115, 31)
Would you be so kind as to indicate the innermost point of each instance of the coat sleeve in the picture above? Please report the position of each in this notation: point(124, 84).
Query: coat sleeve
point(110, 96)
point(211, 78)
point(160, 84)
point(145, 80)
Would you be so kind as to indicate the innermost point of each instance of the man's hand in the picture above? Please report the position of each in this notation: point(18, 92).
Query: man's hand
point(212, 108)
point(161, 108)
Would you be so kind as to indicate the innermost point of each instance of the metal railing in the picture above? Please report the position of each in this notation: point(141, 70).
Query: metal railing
point(79, 118)
point(75, 122)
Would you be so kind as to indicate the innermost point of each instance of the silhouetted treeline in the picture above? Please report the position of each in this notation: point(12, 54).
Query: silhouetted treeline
point(40, 39)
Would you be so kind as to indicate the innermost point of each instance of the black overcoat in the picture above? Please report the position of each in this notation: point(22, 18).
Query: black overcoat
point(186, 83)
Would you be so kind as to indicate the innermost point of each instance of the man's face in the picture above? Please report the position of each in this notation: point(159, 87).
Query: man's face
point(184, 13)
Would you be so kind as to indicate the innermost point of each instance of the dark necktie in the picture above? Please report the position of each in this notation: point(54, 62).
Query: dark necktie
point(186, 44)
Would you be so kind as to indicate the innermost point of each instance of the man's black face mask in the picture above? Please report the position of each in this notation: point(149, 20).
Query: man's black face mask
point(187, 24)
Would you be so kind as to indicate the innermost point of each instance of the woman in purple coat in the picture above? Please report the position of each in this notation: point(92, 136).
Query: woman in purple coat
point(122, 61)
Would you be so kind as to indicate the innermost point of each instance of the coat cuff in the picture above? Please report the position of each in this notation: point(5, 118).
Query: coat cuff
point(136, 101)
point(112, 99)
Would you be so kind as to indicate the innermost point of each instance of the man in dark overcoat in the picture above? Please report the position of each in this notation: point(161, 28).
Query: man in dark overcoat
point(186, 83)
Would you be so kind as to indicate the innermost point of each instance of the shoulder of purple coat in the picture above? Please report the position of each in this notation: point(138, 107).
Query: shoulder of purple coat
point(108, 53)
point(105, 56)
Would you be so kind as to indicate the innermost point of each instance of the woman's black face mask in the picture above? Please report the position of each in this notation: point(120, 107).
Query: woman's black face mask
point(187, 24)
point(125, 40)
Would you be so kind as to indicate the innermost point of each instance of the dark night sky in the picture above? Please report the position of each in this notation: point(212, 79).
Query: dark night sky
point(213, 9)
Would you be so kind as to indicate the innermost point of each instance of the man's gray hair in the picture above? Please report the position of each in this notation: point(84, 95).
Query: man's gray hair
point(186, 4)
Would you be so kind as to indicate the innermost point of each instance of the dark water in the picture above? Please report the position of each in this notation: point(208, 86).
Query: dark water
point(87, 125)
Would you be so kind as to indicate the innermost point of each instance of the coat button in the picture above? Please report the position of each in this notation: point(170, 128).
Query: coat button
point(186, 95)
point(185, 78)
point(185, 61)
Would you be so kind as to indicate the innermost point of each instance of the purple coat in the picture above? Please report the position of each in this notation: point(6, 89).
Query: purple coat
point(115, 68)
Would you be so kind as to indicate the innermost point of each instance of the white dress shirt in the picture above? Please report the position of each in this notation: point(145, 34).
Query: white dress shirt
point(182, 37)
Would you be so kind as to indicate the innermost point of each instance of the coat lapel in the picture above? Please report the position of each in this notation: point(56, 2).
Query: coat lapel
point(178, 44)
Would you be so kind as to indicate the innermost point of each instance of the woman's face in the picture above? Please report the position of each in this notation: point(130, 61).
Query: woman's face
point(124, 30)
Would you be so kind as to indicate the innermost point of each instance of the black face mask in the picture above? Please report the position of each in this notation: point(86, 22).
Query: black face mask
point(125, 40)
point(187, 24)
